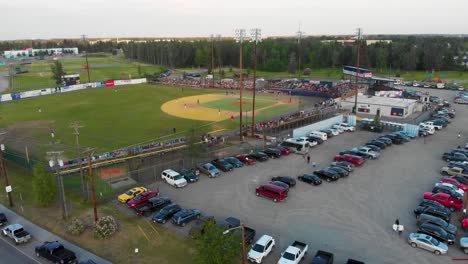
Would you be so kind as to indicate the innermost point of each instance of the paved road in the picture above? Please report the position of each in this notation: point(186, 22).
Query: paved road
point(39, 235)
point(13, 254)
point(352, 217)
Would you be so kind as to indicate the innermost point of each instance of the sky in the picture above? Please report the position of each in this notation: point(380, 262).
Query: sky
point(32, 19)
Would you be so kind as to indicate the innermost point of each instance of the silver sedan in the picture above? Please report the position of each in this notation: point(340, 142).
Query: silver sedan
point(428, 243)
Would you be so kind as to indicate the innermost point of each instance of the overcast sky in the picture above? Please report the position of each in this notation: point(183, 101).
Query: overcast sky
point(31, 19)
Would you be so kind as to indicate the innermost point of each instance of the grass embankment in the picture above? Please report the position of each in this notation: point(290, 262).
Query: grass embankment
point(155, 244)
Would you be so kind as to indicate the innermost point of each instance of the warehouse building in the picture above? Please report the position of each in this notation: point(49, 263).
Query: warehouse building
point(385, 106)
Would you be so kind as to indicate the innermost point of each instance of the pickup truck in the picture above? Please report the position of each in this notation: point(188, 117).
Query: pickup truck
point(322, 257)
point(152, 205)
point(454, 171)
point(55, 252)
point(17, 233)
point(294, 253)
point(3, 219)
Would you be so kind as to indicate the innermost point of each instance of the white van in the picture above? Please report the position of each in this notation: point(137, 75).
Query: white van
point(319, 134)
point(173, 178)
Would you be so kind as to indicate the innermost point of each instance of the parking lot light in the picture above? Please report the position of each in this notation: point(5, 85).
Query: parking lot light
point(242, 226)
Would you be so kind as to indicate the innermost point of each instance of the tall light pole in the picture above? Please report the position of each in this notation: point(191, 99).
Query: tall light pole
point(240, 37)
point(218, 39)
point(83, 37)
point(56, 163)
point(358, 41)
point(242, 226)
point(299, 35)
point(212, 59)
point(256, 38)
point(5, 176)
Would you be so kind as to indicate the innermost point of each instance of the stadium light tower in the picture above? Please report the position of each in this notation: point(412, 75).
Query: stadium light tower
point(212, 39)
point(240, 37)
point(299, 36)
point(358, 42)
point(255, 34)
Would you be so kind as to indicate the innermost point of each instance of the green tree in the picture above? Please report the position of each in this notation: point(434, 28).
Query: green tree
point(213, 247)
point(57, 71)
point(292, 65)
point(44, 185)
point(139, 70)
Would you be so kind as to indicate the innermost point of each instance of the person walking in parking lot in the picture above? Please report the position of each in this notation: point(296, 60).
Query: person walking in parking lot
point(308, 159)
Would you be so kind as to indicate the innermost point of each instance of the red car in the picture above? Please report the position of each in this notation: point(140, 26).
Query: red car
point(445, 199)
point(455, 182)
point(284, 150)
point(245, 159)
point(356, 160)
point(141, 199)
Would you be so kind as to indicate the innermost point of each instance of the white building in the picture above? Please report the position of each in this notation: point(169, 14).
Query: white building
point(30, 52)
point(388, 107)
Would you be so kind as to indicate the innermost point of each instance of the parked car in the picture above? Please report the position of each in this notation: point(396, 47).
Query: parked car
point(460, 179)
point(261, 249)
point(373, 147)
point(344, 164)
point(184, 216)
point(329, 133)
point(353, 261)
point(222, 164)
point(425, 218)
point(234, 162)
point(153, 204)
point(198, 227)
point(328, 175)
point(293, 253)
point(316, 139)
point(55, 252)
point(173, 178)
point(347, 127)
point(453, 171)
point(442, 213)
point(355, 160)
point(431, 203)
point(310, 178)
point(451, 186)
point(436, 232)
point(244, 158)
point(445, 189)
point(284, 150)
point(454, 157)
point(395, 139)
point(385, 140)
point(271, 191)
point(189, 175)
point(354, 153)
point(272, 152)
point(377, 143)
point(17, 233)
point(209, 170)
point(280, 184)
point(337, 128)
point(455, 182)
point(130, 194)
point(322, 257)
point(165, 213)
point(230, 222)
point(3, 219)
point(370, 154)
point(286, 179)
point(141, 198)
point(445, 199)
point(403, 137)
point(259, 156)
point(428, 243)
point(342, 172)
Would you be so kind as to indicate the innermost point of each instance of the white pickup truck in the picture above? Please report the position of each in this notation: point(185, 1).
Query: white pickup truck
point(294, 253)
point(17, 233)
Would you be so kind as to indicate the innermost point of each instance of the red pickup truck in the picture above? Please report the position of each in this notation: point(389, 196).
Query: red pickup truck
point(445, 199)
point(141, 199)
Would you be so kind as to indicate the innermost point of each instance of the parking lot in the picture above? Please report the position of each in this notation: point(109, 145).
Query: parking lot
point(351, 217)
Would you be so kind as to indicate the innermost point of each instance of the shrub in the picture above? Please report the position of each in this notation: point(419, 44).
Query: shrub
point(307, 71)
point(105, 227)
point(76, 227)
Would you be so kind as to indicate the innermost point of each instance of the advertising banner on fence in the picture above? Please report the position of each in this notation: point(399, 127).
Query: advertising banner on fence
point(5, 98)
point(391, 94)
point(109, 83)
point(30, 93)
point(137, 81)
point(122, 82)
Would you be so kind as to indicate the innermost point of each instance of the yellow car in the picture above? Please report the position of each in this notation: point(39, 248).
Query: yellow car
point(127, 196)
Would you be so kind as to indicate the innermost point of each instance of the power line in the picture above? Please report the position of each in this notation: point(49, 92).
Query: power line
point(76, 127)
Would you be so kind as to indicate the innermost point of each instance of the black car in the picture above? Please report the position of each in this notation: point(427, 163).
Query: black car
point(272, 153)
point(188, 175)
point(424, 218)
point(385, 140)
point(342, 172)
point(328, 132)
point(447, 190)
point(444, 213)
point(373, 147)
point(230, 222)
point(460, 179)
point(310, 178)
point(437, 232)
point(460, 150)
point(222, 165)
point(234, 162)
point(377, 143)
point(3, 219)
point(328, 175)
point(280, 184)
point(286, 179)
point(198, 227)
point(316, 139)
point(431, 203)
point(395, 139)
point(153, 204)
point(454, 157)
point(403, 138)
point(259, 156)
point(167, 212)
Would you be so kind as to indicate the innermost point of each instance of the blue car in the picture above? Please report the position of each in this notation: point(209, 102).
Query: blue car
point(235, 162)
point(165, 213)
point(209, 169)
point(189, 175)
point(184, 216)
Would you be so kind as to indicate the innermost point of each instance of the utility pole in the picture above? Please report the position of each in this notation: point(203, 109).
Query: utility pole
point(358, 41)
point(299, 35)
point(212, 59)
point(11, 76)
point(256, 38)
point(5, 176)
point(240, 36)
point(90, 153)
point(55, 163)
point(218, 38)
point(76, 127)
point(83, 37)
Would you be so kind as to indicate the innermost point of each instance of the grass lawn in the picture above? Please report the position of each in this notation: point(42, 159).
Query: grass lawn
point(155, 244)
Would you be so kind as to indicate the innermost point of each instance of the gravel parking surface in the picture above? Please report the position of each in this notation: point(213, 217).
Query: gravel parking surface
point(352, 217)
